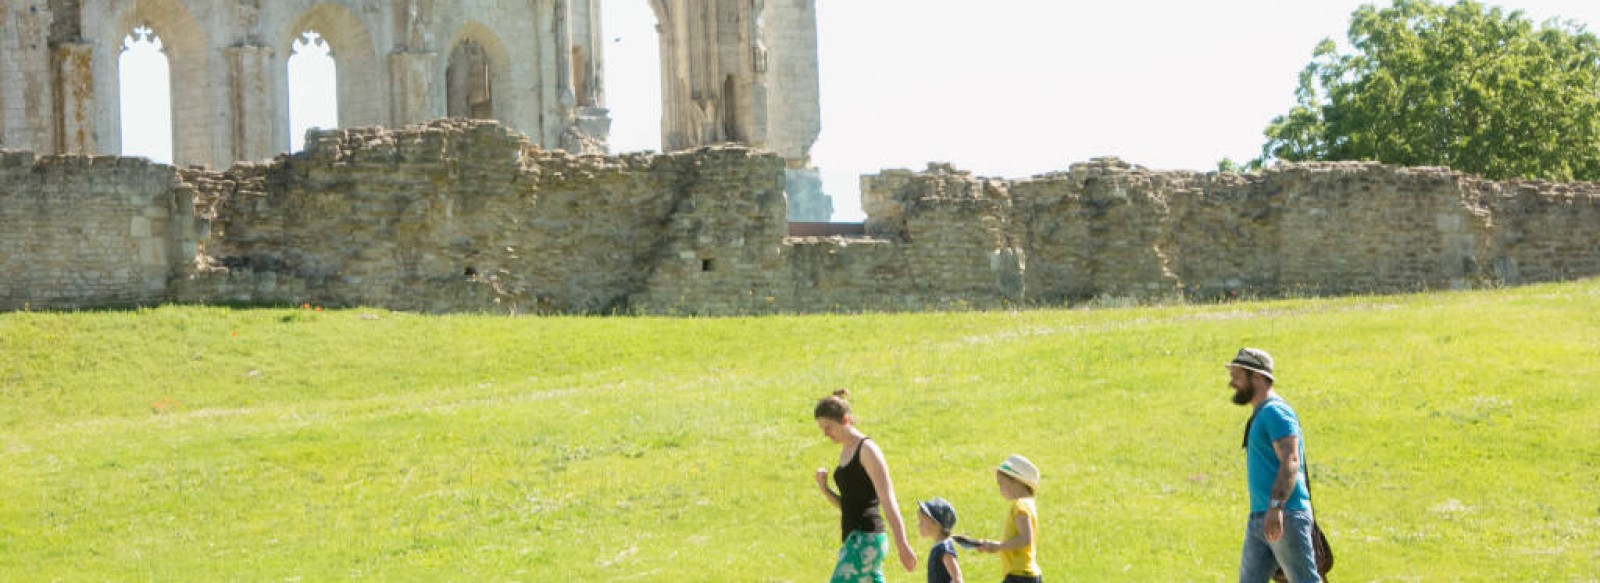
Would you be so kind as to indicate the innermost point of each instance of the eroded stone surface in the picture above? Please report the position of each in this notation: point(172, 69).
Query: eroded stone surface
point(470, 216)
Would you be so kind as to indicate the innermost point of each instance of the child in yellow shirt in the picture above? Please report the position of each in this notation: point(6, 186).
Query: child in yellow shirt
point(1018, 479)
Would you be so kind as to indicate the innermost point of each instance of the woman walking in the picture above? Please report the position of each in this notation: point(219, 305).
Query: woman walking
point(863, 481)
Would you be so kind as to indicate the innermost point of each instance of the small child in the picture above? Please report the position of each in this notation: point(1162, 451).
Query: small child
point(935, 520)
point(1018, 479)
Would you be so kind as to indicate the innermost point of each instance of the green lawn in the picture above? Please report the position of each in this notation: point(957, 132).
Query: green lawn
point(1452, 437)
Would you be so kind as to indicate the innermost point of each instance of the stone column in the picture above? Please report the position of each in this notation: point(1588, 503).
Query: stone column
point(253, 132)
point(563, 30)
point(411, 73)
point(674, 83)
point(75, 94)
point(411, 87)
point(758, 72)
point(587, 121)
point(590, 43)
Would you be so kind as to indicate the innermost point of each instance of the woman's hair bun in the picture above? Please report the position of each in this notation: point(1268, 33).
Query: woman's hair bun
point(834, 407)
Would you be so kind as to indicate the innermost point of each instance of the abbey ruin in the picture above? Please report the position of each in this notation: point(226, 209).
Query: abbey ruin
point(520, 211)
point(742, 71)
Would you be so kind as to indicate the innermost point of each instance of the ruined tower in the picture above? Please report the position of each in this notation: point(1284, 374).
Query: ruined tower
point(745, 71)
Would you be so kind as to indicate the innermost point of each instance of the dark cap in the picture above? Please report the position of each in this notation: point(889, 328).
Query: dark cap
point(940, 511)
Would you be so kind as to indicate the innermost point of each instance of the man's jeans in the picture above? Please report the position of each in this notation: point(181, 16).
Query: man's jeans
point(1293, 550)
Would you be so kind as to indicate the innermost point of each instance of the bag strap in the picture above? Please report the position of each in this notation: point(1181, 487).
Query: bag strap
point(1305, 463)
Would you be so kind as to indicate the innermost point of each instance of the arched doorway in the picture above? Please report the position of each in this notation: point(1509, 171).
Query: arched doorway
point(469, 82)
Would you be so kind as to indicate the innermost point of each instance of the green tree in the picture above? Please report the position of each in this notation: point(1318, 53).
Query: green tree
point(1465, 86)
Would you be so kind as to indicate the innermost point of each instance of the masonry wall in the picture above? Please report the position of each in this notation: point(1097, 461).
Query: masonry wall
point(1543, 232)
point(469, 216)
point(1106, 228)
point(83, 232)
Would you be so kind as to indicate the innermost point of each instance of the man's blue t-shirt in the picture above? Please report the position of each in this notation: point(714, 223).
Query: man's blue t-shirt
point(1274, 421)
point(936, 571)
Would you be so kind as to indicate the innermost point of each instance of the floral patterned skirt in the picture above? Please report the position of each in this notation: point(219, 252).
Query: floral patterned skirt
point(861, 558)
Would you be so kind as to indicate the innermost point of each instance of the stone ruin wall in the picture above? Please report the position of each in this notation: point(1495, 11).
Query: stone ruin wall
point(471, 217)
point(460, 216)
point(1109, 229)
point(81, 231)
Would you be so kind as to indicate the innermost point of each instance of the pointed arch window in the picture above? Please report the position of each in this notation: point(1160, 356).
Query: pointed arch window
point(313, 87)
point(145, 86)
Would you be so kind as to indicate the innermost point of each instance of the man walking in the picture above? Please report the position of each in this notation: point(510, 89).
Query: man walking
point(1278, 534)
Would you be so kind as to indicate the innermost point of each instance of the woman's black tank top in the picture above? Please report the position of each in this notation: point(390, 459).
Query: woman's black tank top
point(858, 500)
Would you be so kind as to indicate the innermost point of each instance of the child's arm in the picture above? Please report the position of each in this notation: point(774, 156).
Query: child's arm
point(954, 568)
point(1024, 538)
point(822, 484)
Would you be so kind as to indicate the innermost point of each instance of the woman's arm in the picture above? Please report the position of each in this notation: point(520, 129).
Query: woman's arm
point(822, 484)
point(878, 470)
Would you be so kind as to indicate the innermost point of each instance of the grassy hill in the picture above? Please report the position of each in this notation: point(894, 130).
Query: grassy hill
point(1452, 437)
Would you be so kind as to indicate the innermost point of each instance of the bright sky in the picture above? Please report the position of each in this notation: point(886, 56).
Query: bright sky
point(1014, 88)
point(1021, 87)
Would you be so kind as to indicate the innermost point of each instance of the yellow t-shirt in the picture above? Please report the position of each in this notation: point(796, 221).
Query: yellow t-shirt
point(1021, 561)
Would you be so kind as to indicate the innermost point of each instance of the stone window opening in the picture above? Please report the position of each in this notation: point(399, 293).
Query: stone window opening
point(145, 86)
point(313, 87)
point(708, 265)
point(469, 86)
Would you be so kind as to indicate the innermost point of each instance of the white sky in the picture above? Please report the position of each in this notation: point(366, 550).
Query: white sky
point(146, 108)
point(1021, 87)
point(313, 88)
point(1014, 88)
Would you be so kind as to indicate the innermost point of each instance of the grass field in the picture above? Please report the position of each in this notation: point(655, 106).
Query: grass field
point(1452, 437)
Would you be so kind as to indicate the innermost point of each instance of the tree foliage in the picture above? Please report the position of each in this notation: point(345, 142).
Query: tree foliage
point(1465, 86)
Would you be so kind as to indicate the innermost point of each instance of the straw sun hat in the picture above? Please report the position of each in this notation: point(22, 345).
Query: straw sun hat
point(1020, 468)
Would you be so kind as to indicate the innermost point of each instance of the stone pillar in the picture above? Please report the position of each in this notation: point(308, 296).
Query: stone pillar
point(674, 133)
point(411, 73)
point(757, 34)
point(75, 98)
point(411, 87)
point(788, 109)
point(588, 50)
point(563, 30)
point(792, 108)
point(578, 76)
point(253, 132)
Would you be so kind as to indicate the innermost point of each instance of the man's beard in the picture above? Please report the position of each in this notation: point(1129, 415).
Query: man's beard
point(1243, 397)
